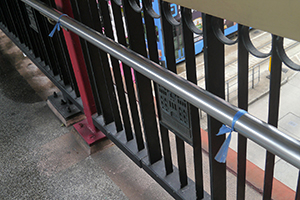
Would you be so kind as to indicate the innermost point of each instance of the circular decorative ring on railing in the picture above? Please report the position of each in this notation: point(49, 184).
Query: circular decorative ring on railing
point(216, 24)
point(187, 17)
point(118, 2)
point(168, 14)
point(148, 7)
point(135, 6)
point(283, 56)
point(249, 45)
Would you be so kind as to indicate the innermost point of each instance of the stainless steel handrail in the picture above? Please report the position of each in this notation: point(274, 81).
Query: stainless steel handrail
point(263, 134)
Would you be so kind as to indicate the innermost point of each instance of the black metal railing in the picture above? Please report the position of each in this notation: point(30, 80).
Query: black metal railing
point(30, 30)
point(126, 109)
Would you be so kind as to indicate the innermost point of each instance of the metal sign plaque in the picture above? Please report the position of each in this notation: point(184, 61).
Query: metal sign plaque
point(31, 17)
point(175, 114)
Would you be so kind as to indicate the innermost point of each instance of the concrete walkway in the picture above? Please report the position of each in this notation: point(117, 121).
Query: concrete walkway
point(40, 158)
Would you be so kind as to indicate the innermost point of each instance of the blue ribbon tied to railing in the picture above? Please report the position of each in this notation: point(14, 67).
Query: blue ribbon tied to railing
point(57, 25)
point(222, 153)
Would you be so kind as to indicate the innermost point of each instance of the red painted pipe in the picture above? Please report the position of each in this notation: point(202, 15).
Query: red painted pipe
point(79, 67)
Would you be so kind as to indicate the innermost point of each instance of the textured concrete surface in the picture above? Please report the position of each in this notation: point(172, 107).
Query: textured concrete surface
point(42, 86)
point(134, 181)
point(39, 159)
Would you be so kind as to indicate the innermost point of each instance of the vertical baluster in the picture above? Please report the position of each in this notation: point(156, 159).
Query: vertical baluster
point(166, 150)
point(32, 35)
point(137, 44)
point(96, 62)
point(214, 80)
point(243, 59)
point(20, 23)
point(171, 65)
point(50, 55)
point(65, 61)
point(57, 49)
point(2, 16)
point(153, 54)
point(39, 39)
point(23, 25)
point(170, 57)
point(181, 162)
point(9, 18)
point(274, 97)
point(54, 51)
point(91, 57)
point(17, 20)
point(298, 189)
point(189, 51)
point(63, 55)
point(117, 73)
point(128, 78)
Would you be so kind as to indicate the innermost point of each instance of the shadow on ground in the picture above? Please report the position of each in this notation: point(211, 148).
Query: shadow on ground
point(12, 84)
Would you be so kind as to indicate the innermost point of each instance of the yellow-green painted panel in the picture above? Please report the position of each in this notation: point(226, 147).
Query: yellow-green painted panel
point(280, 17)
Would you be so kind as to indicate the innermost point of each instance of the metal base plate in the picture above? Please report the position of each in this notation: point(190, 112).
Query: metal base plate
point(66, 110)
point(87, 134)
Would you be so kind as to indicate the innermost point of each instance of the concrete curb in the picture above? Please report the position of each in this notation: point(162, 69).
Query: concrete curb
point(284, 81)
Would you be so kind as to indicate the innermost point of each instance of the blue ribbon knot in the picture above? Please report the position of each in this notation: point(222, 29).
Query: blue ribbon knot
point(222, 153)
point(57, 26)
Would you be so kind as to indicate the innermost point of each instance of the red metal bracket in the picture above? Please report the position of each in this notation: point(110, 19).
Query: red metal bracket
point(85, 128)
point(89, 136)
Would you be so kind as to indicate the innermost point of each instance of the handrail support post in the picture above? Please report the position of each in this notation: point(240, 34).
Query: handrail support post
point(86, 127)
